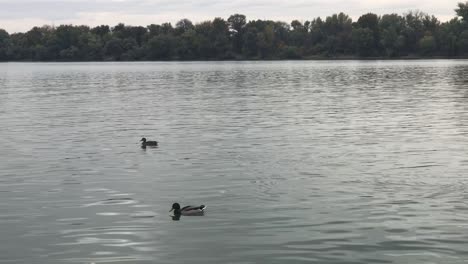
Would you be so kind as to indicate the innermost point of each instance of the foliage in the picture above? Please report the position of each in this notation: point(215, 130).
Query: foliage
point(462, 11)
point(390, 35)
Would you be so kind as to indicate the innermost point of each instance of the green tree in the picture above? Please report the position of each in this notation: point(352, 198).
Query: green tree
point(204, 40)
point(317, 36)
point(462, 11)
point(250, 42)
point(129, 32)
point(392, 39)
point(237, 22)
point(338, 29)
point(299, 33)
point(154, 30)
point(446, 37)
point(166, 28)
point(413, 31)
point(220, 37)
point(95, 47)
point(160, 47)
point(4, 45)
point(463, 43)
point(113, 49)
point(101, 31)
point(68, 35)
point(389, 42)
point(291, 53)
point(430, 23)
point(427, 45)
point(71, 53)
point(371, 21)
point(265, 41)
point(236, 25)
point(363, 41)
point(187, 48)
point(184, 25)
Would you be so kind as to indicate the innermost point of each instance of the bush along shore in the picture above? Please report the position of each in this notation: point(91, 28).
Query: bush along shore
point(391, 36)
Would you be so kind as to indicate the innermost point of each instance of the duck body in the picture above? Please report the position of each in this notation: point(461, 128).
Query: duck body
point(145, 143)
point(188, 210)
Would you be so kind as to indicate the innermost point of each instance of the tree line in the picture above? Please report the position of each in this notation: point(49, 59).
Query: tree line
point(414, 34)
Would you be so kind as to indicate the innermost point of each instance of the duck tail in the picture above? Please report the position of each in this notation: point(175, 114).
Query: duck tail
point(202, 207)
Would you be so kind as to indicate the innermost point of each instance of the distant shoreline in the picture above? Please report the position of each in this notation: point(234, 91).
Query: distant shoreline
point(412, 36)
point(313, 58)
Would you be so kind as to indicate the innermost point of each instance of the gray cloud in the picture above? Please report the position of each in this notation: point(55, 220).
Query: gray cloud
point(21, 15)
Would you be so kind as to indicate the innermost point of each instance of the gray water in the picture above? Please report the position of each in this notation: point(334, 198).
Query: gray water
point(297, 162)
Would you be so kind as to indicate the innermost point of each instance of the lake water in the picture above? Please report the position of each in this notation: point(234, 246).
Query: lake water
point(297, 162)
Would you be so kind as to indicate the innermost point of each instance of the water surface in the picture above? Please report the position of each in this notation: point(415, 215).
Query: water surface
point(298, 162)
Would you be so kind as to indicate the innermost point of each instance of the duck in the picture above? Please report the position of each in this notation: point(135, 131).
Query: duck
point(188, 210)
point(145, 143)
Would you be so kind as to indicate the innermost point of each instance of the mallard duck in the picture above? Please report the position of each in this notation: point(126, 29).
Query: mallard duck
point(145, 143)
point(188, 210)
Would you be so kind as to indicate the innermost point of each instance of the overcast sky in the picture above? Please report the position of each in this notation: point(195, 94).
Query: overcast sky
point(21, 15)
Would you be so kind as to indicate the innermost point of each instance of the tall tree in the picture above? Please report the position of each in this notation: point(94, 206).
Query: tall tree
point(370, 21)
point(363, 41)
point(184, 25)
point(4, 44)
point(462, 10)
point(236, 24)
point(338, 29)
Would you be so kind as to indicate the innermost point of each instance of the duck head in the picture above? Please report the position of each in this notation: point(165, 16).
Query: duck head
point(176, 208)
point(143, 140)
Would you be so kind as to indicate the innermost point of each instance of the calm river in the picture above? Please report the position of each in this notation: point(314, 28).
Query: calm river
point(297, 162)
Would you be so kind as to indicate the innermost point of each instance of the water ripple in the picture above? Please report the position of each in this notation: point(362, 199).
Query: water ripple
point(322, 162)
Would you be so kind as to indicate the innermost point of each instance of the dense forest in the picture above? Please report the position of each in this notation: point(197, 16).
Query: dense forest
point(414, 34)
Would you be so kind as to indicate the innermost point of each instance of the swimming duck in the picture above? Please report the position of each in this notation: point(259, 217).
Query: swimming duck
point(145, 143)
point(188, 210)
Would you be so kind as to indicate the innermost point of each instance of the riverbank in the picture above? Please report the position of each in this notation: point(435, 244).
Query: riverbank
point(309, 58)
